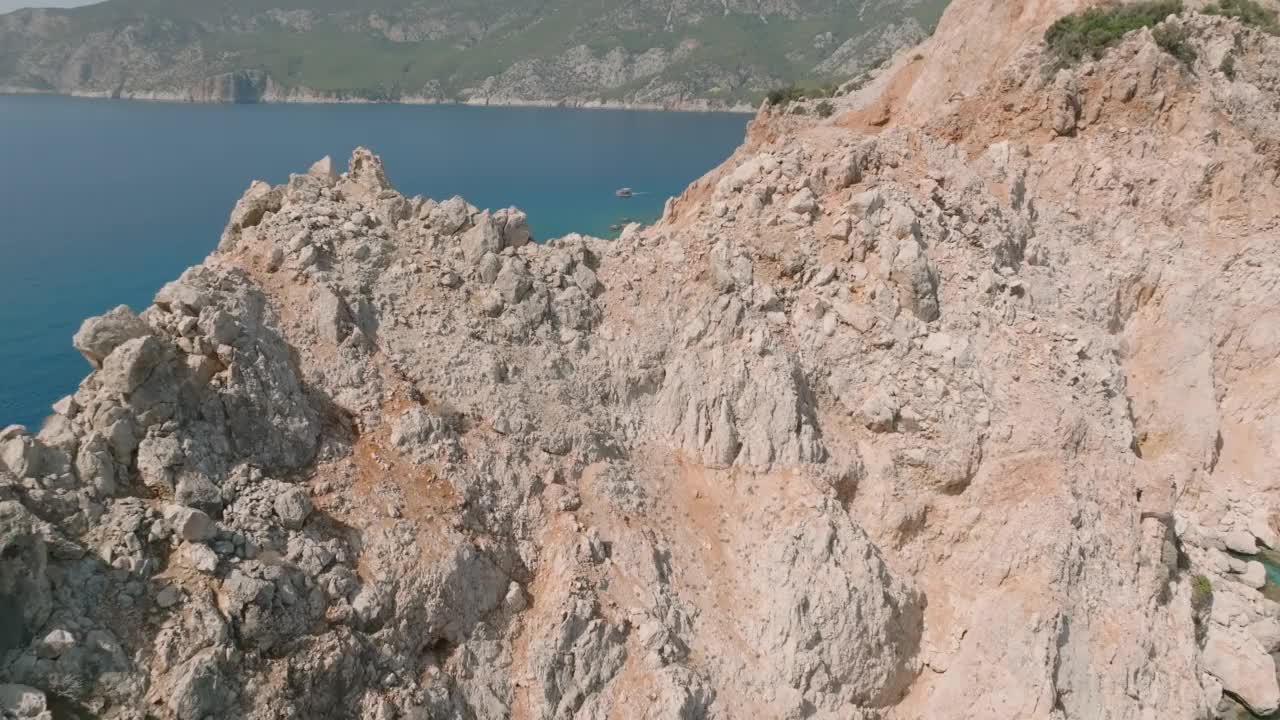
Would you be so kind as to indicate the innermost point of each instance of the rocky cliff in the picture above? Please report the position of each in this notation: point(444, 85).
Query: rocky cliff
point(956, 404)
point(698, 54)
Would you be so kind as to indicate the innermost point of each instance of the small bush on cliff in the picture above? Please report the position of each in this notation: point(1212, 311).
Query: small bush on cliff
point(1089, 34)
point(783, 96)
point(1201, 590)
point(825, 109)
point(1175, 41)
point(793, 93)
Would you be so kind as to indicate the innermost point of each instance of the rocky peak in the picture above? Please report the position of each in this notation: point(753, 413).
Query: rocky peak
point(962, 414)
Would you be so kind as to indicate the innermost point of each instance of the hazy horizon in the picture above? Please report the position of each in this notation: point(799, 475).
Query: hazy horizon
point(11, 5)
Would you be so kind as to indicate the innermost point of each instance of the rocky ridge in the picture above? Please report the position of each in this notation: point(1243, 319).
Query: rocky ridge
point(956, 404)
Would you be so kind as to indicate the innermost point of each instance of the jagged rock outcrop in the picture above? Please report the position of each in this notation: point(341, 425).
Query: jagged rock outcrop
point(909, 412)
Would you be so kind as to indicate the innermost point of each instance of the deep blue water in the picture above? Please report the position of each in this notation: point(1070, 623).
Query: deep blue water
point(103, 202)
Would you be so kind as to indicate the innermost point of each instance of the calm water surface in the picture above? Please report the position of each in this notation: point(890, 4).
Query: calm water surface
point(102, 202)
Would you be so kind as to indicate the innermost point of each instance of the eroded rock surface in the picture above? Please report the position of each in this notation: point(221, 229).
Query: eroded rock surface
point(949, 412)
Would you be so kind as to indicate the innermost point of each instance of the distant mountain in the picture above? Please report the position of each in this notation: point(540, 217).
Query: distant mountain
point(674, 53)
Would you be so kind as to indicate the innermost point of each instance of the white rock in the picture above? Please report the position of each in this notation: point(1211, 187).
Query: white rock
point(1241, 541)
point(201, 558)
point(937, 344)
point(99, 336)
point(516, 601)
point(1267, 632)
point(803, 203)
point(56, 643)
point(866, 203)
point(1244, 668)
point(130, 364)
point(323, 169)
point(1254, 575)
point(191, 525)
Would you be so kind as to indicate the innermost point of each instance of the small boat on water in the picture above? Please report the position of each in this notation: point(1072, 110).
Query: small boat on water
point(625, 192)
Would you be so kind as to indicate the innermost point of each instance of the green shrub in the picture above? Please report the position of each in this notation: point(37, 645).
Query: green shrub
point(1201, 590)
point(825, 109)
point(1247, 12)
point(782, 96)
point(1089, 34)
point(1176, 42)
point(794, 93)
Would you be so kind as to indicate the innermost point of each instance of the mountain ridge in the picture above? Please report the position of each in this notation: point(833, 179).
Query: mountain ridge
point(689, 55)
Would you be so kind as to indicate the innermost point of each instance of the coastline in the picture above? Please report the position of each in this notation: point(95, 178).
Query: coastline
point(313, 98)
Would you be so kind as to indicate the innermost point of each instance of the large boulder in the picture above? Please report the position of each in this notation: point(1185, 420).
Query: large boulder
point(129, 365)
point(1244, 667)
point(99, 336)
point(202, 689)
point(23, 703)
point(20, 452)
point(484, 237)
point(515, 227)
point(293, 507)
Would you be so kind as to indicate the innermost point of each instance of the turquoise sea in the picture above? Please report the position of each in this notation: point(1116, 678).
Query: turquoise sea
point(102, 202)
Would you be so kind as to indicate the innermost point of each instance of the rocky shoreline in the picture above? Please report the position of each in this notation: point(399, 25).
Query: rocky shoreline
point(323, 99)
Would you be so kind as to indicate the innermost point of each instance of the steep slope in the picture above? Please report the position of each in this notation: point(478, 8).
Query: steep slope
point(957, 410)
point(702, 53)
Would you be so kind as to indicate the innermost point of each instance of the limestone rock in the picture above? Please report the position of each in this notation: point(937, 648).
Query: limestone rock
point(1241, 541)
point(201, 689)
point(257, 201)
point(803, 203)
point(1245, 670)
point(331, 315)
point(131, 364)
point(191, 525)
point(293, 507)
point(323, 169)
point(101, 335)
point(986, 441)
point(917, 280)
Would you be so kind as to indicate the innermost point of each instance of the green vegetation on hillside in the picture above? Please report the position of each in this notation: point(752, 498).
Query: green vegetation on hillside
point(624, 50)
point(1088, 34)
point(1247, 12)
point(1176, 42)
point(793, 93)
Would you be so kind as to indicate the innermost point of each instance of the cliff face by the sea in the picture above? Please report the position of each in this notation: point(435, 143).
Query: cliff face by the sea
point(955, 403)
